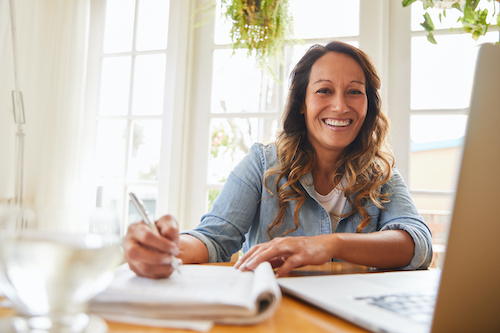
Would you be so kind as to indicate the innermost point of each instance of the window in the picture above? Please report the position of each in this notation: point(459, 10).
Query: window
point(128, 60)
point(441, 86)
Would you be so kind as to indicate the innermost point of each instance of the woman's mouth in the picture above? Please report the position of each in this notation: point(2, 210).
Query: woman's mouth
point(337, 122)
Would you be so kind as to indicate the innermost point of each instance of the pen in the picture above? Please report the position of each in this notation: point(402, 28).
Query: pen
point(146, 217)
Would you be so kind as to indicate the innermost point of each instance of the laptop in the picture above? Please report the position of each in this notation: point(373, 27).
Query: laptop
point(465, 295)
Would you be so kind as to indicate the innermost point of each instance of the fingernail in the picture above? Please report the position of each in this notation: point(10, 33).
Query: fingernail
point(175, 251)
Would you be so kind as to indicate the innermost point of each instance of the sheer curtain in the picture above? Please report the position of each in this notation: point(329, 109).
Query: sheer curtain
point(52, 45)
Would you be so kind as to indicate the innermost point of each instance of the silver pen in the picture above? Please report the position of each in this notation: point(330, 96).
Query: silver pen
point(146, 217)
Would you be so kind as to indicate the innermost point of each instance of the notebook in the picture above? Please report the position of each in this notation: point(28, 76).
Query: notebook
point(465, 295)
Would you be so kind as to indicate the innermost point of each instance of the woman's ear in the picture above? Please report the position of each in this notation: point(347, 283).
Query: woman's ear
point(303, 109)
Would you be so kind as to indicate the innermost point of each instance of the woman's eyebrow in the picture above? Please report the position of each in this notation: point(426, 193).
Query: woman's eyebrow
point(326, 80)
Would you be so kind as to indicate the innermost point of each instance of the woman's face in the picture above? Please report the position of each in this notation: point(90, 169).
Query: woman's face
point(336, 103)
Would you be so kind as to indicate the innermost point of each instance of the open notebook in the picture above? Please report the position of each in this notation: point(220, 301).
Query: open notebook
point(465, 295)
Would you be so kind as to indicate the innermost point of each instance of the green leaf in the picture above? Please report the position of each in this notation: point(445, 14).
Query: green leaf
point(427, 24)
point(472, 4)
point(406, 3)
point(430, 38)
point(456, 5)
point(427, 3)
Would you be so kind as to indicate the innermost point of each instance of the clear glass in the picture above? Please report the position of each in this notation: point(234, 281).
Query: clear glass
point(50, 271)
point(442, 74)
point(110, 148)
point(238, 85)
point(152, 25)
point(115, 86)
point(145, 155)
point(231, 140)
point(149, 84)
point(324, 18)
point(119, 26)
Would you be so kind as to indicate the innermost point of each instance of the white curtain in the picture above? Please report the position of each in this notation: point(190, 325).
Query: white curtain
point(52, 46)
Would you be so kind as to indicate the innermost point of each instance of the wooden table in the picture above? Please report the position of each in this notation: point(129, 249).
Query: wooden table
point(292, 315)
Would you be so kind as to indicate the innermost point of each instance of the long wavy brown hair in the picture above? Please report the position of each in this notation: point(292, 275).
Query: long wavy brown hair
point(367, 162)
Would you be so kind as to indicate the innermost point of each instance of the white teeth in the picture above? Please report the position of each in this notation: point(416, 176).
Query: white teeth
point(337, 123)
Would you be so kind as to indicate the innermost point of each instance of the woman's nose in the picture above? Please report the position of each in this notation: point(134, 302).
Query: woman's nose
point(338, 104)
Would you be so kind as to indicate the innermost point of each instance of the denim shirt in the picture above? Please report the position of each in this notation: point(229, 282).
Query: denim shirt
point(244, 209)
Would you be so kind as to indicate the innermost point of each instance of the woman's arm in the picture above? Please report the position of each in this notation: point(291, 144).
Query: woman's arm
point(385, 249)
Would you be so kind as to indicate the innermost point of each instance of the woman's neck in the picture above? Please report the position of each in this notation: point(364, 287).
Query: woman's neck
point(322, 173)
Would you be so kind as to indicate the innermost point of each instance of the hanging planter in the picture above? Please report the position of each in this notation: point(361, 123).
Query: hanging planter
point(260, 26)
point(474, 20)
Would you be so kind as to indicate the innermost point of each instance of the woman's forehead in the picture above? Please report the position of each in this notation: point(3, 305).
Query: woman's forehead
point(335, 65)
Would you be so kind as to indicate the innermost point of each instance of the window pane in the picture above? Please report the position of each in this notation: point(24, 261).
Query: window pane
point(148, 195)
point(119, 25)
point(145, 155)
point(110, 148)
point(114, 91)
point(239, 86)
point(212, 195)
point(222, 34)
point(230, 141)
point(436, 150)
point(325, 18)
point(149, 83)
point(109, 196)
point(152, 25)
point(442, 74)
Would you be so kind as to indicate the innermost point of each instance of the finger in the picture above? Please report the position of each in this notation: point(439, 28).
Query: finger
point(261, 255)
point(136, 252)
point(144, 235)
point(289, 264)
point(168, 228)
point(277, 262)
point(151, 271)
point(245, 256)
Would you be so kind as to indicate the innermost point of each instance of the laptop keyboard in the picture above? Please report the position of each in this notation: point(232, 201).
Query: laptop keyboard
point(416, 307)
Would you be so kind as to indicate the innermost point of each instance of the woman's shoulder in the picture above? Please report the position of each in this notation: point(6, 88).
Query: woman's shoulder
point(267, 153)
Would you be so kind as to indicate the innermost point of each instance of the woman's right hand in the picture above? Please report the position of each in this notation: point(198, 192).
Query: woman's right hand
point(149, 254)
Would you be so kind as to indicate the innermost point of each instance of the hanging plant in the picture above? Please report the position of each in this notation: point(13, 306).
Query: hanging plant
point(260, 26)
point(474, 20)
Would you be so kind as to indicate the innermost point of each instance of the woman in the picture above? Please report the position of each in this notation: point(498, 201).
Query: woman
point(329, 181)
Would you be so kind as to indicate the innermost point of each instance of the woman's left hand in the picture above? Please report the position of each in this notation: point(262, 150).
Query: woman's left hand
point(288, 253)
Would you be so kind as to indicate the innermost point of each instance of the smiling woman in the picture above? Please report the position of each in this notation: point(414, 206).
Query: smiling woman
point(270, 205)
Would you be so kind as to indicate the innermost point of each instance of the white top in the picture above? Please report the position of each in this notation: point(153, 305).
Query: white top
point(334, 202)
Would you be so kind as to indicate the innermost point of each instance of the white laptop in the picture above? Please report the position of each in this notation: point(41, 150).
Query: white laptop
point(465, 295)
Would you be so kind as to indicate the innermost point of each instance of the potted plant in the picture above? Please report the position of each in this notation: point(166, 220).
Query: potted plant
point(474, 20)
point(261, 26)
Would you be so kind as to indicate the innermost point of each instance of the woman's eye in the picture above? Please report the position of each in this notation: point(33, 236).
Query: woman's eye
point(356, 92)
point(323, 91)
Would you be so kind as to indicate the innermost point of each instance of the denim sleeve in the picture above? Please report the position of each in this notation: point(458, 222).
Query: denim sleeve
point(401, 214)
point(223, 228)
